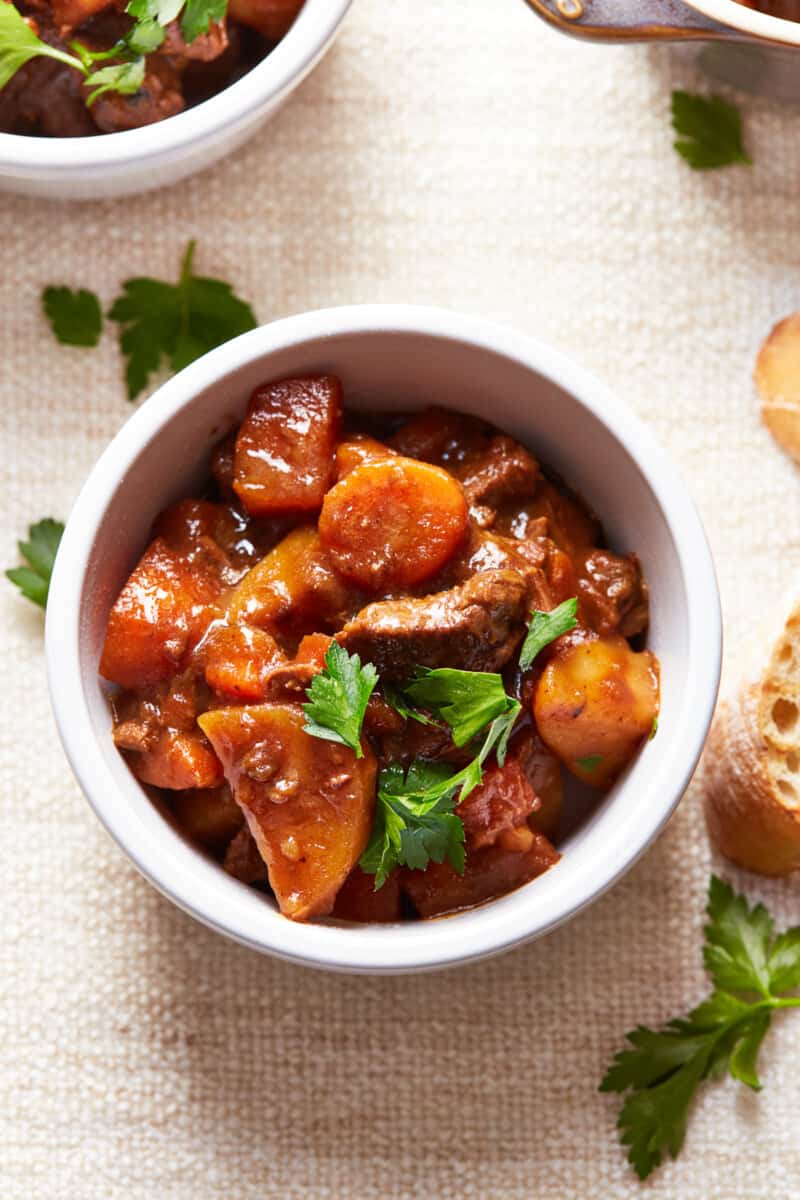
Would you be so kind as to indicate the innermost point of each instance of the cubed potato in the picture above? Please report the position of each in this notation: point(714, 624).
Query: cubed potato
point(284, 460)
point(295, 589)
point(177, 761)
point(159, 617)
point(488, 873)
point(309, 803)
point(272, 18)
point(209, 816)
point(594, 704)
point(358, 900)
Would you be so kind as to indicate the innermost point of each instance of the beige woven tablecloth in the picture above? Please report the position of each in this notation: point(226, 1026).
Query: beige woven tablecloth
point(454, 153)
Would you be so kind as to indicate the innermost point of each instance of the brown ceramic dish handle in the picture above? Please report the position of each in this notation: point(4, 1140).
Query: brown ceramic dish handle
point(631, 20)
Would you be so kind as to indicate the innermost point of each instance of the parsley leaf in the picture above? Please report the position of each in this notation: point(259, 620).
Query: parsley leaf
point(198, 16)
point(338, 698)
point(124, 78)
point(414, 817)
point(40, 553)
point(663, 1069)
point(545, 627)
point(710, 131)
point(414, 821)
point(179, 322)
point(75, 317)
point(395, 699)
point(466, 700)
point(19, 44)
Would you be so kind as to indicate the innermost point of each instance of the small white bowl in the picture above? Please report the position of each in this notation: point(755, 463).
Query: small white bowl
point(392, 358)
point(136, 160)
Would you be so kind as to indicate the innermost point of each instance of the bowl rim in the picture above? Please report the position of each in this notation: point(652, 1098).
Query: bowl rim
point(749, 20)
point(269, 80)
point(433, 944)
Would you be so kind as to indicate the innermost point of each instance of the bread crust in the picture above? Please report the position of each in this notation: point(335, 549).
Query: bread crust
point(752, 760)
point(777, 377)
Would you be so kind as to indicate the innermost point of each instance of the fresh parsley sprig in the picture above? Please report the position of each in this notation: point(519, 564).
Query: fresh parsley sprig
point(415, 821)
point(545, 627)
point(39, 553)
point(75, 317)
point(338, 698)
point(751, 970)
point(179, 322)
point(710, 131)
point(466, 700)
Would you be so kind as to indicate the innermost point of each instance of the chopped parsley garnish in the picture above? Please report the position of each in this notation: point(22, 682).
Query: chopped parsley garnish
point(415, 821)
point(338, 698)
point(125, 71)
point(751, 970)
point(545, 627)
point(710, 131)
point(39, 553)
point(466, 700)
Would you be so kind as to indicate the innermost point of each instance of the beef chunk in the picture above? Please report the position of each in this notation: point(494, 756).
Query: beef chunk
point(45, 97)
point(613, 593)
point(159, 97)
point(504, 471)
point(475, 626)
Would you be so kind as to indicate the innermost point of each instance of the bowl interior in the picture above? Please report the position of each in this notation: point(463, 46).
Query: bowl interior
point(385, 370)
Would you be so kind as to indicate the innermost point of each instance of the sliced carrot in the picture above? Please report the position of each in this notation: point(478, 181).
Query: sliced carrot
point(360, 449)
point(237, 659)
point(393, 524)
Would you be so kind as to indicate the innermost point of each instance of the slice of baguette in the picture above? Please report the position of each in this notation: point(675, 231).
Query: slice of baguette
point(752, 760)
point(777, 376)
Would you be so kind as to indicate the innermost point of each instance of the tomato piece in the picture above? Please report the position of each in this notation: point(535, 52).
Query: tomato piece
point(488, 873)
point(284, 457)
point(594, 704)
point(393, 524)
point(309, 803)
point(159, 616)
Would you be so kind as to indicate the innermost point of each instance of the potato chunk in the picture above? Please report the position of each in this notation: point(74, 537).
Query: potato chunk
point(272, 18)
point(309, 803)
point(294, 589)
point(594, 704)
point(284, 456)
point(393, 524)
point(159, 616)
point(237, 660)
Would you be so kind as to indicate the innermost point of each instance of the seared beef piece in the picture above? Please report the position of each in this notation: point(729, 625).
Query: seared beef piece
point(205, 47)
point(613, 593)
point(493, 468)
point(504, 471)
point(545, 569)
point(159, 97)
point(242, 859)
point(474, 627)
point(45, 97)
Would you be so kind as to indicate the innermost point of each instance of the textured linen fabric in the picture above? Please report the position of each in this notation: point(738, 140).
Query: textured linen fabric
point(448, 153)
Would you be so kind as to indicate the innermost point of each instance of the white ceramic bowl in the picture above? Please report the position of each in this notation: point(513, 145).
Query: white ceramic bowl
point(136, 160)
point(391, 357)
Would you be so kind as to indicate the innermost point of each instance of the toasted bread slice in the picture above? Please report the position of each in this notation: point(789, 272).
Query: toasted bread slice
point(752, 760)
point(777, 377)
